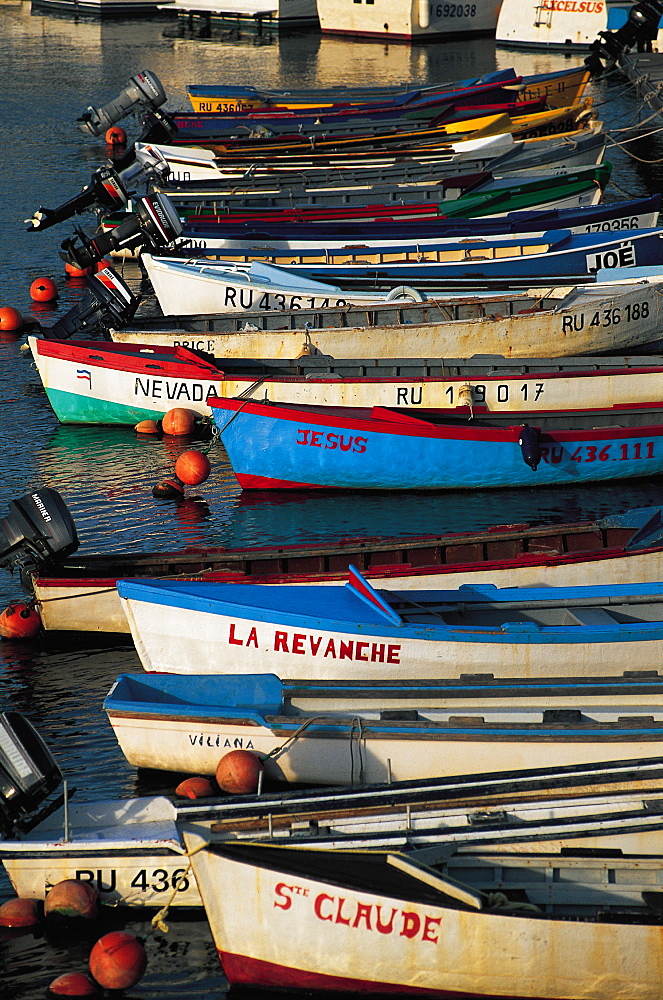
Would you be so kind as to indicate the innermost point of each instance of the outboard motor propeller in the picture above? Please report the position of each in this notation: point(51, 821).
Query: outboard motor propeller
point(106, 190)
point(108, 303)
point(154, 225)
point(143, 92)
point(28, 774)
point(38, 529)
point(530, 446)
point(640, 29)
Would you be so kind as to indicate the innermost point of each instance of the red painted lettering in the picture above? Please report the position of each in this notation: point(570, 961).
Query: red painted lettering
point(358, 647)
point(253, 638)
point(363, 913)
point(384, 928)
point(317, 906)
point(340, 919)
point(298, 642)
point(282, 891)
point(360, 445)
point(344, 446)
point(304, 433)
point(411, 924)
point(345, 649)
point(377, 652)
point(332, 441)
point(315, 644)
point(315, 439)
point(331, 649)
point(431, 931)
point(231, 637)
point(393, 654)
point(281, 642)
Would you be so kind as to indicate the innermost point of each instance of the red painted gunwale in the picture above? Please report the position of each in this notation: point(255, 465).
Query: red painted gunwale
point(383, 421)
point(178, 362)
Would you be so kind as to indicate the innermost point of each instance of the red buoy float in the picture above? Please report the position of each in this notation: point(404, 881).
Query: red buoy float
point(11, 320)
point(19, 913)
point(118, 960)
point(192, 467)
point(238, 772)
point(43, 290)
point(19, 621)
point(147, 427)
point(195, 788)
point(73, 984)
point(116, 136)
point(178, 422)
point(72, 899)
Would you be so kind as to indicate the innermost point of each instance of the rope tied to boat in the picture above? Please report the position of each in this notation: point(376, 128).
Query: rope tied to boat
point(158, 921)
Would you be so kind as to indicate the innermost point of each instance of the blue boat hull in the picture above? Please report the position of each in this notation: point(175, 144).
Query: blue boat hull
point(279, 447)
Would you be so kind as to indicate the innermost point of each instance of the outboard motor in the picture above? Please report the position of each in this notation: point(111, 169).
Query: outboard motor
point(107, 189)
point(158, 127)
point(640, 29)
point(143, 92)
point(108, 303)
point(530, 446)
point(38, 529)
point(154, 225)
point(28, 774)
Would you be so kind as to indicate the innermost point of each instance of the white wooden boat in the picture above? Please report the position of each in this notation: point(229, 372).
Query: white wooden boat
point(79, 594)
point(238, 287)
point(355, 632)
point(247, 16)
point(100, 383)
point(363, 922)
point(460, 154)
point(562, 322)
point(348, 734)
point(408, 20)
point(557, 25)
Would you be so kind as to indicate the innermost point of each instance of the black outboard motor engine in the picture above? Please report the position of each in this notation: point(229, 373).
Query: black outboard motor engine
point(640, 29)
point(108, 304)
point(154, 225)
point(143, 93)
point(107, 189)
point(39, 529)
point(28, 774)
point(158, 127)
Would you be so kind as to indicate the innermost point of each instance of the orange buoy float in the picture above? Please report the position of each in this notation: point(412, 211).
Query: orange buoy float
point(72, 899)
point(118, 960)
point(178, 422)
point(147, 427)
point(195, 788)
point(43, 290)
point(73, 984)
point(19, 621)
point(239, 771)
point(76, 272)
point(116, 136)
point(11, 320)
point(168, 489)
point(19, 913)
point(192, 467)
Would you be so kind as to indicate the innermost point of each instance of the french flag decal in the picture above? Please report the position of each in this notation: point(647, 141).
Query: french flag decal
point(365, 592)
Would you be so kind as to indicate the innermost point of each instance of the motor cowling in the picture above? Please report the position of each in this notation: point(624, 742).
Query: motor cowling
point(143, 92)
point(28, 774)
point(38, 529)
point(108, 304)
point(153, 225)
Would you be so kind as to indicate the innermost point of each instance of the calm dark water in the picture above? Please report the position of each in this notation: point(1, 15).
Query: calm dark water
point(52, 69)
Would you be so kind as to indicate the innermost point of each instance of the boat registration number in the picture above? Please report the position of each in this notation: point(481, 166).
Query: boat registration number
point(627, 451)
